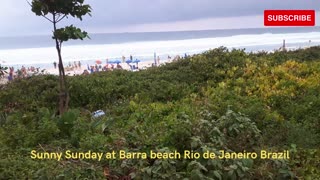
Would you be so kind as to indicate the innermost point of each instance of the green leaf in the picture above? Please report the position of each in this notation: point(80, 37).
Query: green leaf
point(217, 174)
point(69, 32)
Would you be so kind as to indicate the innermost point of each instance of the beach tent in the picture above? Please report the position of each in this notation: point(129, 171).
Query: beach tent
point(98, 62)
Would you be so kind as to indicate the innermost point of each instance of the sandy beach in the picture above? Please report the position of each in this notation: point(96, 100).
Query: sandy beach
point(78, 71)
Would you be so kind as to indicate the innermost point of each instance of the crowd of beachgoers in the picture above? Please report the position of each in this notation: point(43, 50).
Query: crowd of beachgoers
point(22, 72)
point(77, 68)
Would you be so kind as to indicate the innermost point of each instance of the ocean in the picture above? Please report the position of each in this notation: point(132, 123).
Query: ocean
point(39, 51)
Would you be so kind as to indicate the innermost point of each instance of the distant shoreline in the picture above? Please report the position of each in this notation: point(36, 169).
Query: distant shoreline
point(81, 70)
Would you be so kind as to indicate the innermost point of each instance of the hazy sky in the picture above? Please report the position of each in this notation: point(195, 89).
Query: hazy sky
point(16, 17)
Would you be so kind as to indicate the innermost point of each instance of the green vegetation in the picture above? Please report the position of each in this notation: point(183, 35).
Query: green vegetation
point(218, 100)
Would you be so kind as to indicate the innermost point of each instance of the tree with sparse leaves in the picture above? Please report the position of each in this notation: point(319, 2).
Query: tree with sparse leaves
point(55, 11)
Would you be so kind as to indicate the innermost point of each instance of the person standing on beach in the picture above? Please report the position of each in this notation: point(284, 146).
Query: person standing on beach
point(55, 65)
point(10, 77)
point(131, 57)
point(85, 72)
point(92, 69)
point(79, 64)
point(24, 71)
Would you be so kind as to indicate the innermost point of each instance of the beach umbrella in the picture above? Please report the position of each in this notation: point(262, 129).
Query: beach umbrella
point(111, 61)
point(98, 62)
point(128, 61)
point(136, 61)
point(117, 61)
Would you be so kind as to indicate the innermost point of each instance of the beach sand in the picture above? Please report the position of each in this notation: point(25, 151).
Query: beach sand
point(79, 71)
point(3, 80)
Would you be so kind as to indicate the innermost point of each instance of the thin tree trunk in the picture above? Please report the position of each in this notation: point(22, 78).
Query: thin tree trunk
point(63, 94)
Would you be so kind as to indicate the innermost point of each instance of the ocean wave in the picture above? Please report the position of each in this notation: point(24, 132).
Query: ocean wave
point(146, 49)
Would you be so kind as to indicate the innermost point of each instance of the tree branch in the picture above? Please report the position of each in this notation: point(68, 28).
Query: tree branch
point(58, 15)
point(61, 18)
point(29, 3)
point(47, 18)
point(41, 14)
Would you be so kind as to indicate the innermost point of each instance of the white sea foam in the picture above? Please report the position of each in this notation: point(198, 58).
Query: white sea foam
point(145, 50)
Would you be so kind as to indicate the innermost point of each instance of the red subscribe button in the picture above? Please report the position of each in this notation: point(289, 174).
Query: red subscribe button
point(289, 17)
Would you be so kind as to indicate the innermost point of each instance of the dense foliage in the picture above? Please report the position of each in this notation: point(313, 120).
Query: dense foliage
point(218, 100)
